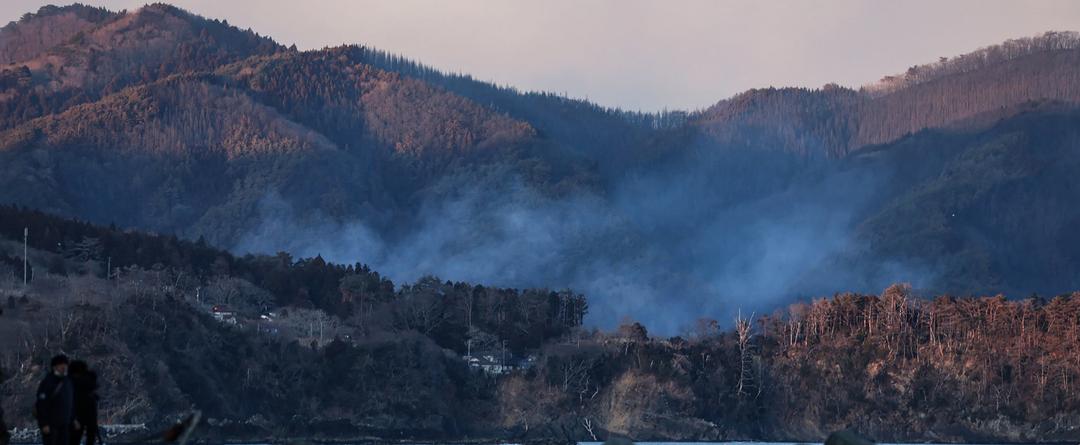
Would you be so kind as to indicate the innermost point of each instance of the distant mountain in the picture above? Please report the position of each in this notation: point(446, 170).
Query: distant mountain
point(835, 121)
point(166, 121)
point(165, 155)
point(259, 125)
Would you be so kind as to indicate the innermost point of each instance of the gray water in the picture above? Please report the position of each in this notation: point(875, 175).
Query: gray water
point(764, 443)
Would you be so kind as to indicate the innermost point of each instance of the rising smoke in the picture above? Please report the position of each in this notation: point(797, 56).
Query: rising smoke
point(665, 247)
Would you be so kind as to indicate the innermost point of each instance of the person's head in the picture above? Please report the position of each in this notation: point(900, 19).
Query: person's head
point(78, 368)
point(59, 365)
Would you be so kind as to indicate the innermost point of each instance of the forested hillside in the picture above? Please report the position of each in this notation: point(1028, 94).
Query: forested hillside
point(35, 33)
point(834, 121)
point(992, 210)
point(312, 349)
point(952, 176)
point(115, 51)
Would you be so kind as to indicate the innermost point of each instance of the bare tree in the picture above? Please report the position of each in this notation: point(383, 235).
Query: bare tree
point(744, 333)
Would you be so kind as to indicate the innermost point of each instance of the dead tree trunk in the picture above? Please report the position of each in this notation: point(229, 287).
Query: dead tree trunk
point(743, 328)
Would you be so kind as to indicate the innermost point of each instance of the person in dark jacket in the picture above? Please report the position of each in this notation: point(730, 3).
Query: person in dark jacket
point(5, 437)
point(86, 410)
point(54, 408)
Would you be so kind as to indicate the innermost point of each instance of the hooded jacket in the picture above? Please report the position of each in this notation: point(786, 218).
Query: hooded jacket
point(5, 437)
point(55, 405)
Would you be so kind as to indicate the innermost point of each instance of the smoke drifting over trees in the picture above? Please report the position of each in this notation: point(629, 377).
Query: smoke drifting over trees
point(162, 120)
point(344, 353)
point(655, 243)
point(514, 223)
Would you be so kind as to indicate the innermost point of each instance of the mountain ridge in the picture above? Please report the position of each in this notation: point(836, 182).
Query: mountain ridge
point(34, 33)
point(124, 49)
point(205, 130)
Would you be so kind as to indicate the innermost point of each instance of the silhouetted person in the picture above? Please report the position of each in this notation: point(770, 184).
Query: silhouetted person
point(54, 408)
point(5, 437)
point(86, 410)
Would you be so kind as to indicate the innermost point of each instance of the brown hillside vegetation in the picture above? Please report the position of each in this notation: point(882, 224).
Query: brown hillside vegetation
point(350, 354)
point(151, 42)
point(292, 118)
point(193, 151)
point(894, 366)
point(178, 116)
point(835, 121)
point(1007, 51)
point(142, 46)
point(998, 77)
point(331, 90)
point(35, 33)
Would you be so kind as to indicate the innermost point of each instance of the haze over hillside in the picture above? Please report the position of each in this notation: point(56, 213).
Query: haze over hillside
point(955, 176)
point(271, 346)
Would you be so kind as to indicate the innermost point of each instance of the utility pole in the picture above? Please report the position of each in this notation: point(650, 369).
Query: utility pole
point(25, 238)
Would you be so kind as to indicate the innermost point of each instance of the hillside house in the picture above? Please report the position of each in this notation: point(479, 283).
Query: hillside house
point(223, 314)
point(266, 324)
point(489, 364)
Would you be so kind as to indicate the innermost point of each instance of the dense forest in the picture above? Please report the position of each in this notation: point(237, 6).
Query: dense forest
point(349, 354)
point(523, 319)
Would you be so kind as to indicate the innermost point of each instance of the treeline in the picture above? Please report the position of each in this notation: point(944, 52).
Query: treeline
point(511, 100)
point(582, 131)
point(452, 314)
point(158, 356)
point(811, 123)
point(49, 26)
point(946, 361)
point(394, 370)
point(832, 121)
point(999, 89)
point(985, 57)
point(894, 366)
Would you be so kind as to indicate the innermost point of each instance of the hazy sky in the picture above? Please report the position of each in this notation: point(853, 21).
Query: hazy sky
point(646, 55)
